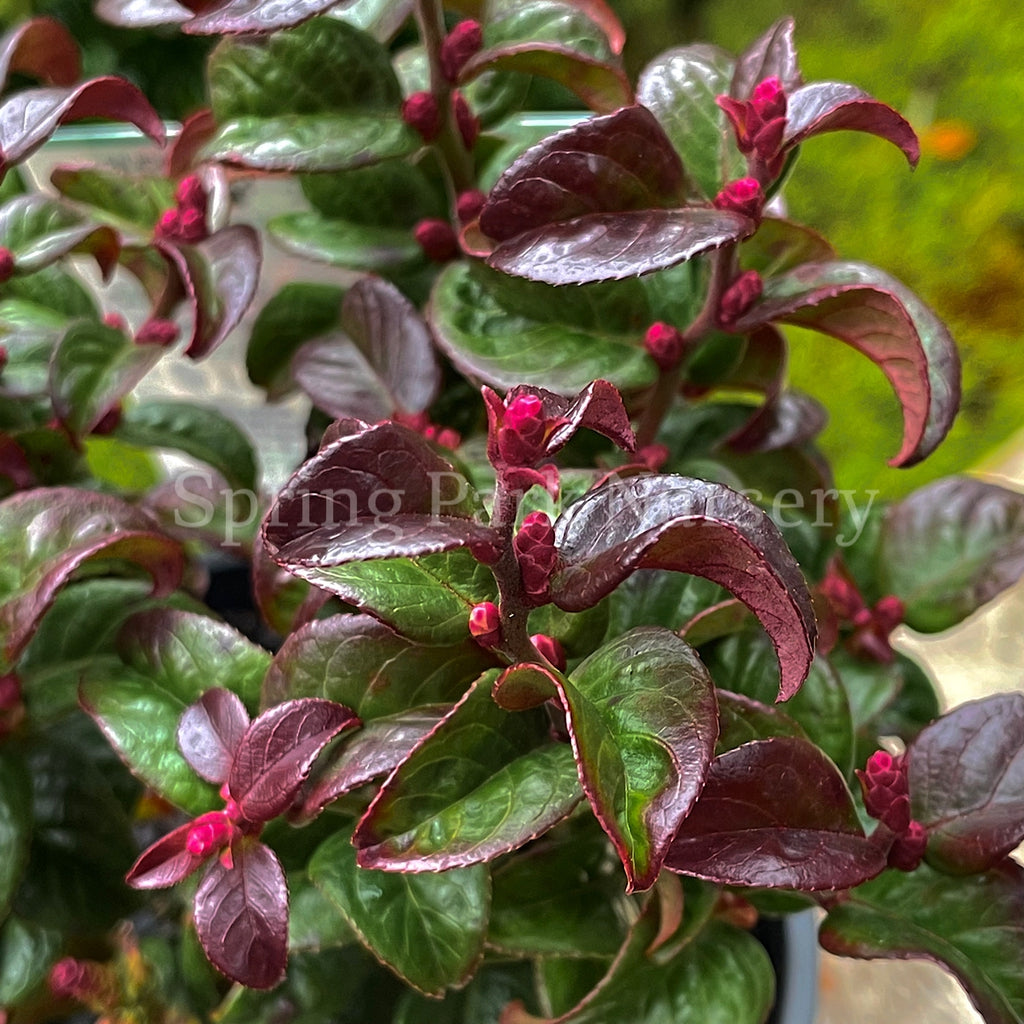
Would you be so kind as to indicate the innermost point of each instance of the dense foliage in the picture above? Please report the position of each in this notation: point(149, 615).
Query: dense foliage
point(574, 658)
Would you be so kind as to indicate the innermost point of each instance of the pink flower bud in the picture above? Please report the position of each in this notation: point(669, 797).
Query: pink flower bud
point(769, 99)
point(550, 650)
point(469, 204)
point(190, 194)
point(169, 224)
point(85, 980)
point(468, 123)
point(459, 45)
point(421, 112)
point(115, 320)
point(192, 226)
point(523, 431)
point(744, 195)
point(10, 691)
point(437, 239)
point(664, 344)
point(886, 793)
point(157, 331)
point(739, 297)
point(209, 832)
point(485, 624)
point(534, 545)
point(6, 264)
point(909, 849)
point(888, 613)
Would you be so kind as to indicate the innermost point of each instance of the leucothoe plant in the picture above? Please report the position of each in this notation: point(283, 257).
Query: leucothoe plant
point(571, 660)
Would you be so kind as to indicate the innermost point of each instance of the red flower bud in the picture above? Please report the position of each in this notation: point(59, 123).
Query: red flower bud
point(459, 45)
point(190, 194)
point(888, 613)
point(109, 421)
point(192, 226)
point(534, 545)
point(485, 624)
point(550, 650)
point(157, 332)
point(469, 204)
point(468, 123)
point(6, 264)
point(114, 320)
point(653, 456)
point(769, 99)
point(437, 239)
point(739, 297)
point(744, 195)
point(169, 224)
point(85, 980)
point(523, 431)
point(908, 850)
point(421, 112)
point(209, 832)
point(664, 344)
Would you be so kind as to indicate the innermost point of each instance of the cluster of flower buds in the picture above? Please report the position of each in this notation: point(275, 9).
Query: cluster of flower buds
point(738, 298)
point(523, 431)
point(871, 627)
point(664, 344)
point(186, 220)
point(420, 422)
point(744, 195)
point(213, 832)
point(534, 545)
point(760, 124)
point(883, 782)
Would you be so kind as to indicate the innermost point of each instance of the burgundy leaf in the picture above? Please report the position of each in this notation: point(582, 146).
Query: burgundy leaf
point(773, 54)
point(379, 493)
point(48, 534)
point(622, 161)
point(165, 863)
point(792, 418)
point(30, 117)
point(389, 331)
point(277, 753)
point(611, 246)
point(339, 380)
point(694, 526)
point(881, 318)
point(834, 106)
point(220, 276)
point(210, 731)
point(377, 749)
point(42, 48)
point(966, 777)
point(776, 813)
point(241, 915)
point(183, 153)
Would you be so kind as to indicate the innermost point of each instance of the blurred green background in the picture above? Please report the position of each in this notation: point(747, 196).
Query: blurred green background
point(953, 230)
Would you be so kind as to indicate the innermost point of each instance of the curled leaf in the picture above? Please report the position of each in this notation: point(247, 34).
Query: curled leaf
point(43, 48)
point(165, 863)
point(210, 732)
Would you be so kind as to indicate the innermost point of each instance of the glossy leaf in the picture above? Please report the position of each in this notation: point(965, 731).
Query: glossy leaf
point(134, 203)
point(670, 522)
point(339, 381)
point(538, 340)
point(429, 928)
point(276, 753)
point(966, 778)
point(834, 106)
point(166, 862)
point(331, 512)
point(782, 245)
point(39, 231)
point(775, 813)
point(27, 951)
point(742, 719)
point(203, 433)
point(217, 18)
point(975, 930)
point(47, 534)
point(772, 54)
point(721, 976)
point(643, 722)
point(219, 276)
point(210, 732)
point(877, 315)
point(483, 783)
point(92, 368)
point(43, 48)
point(15, 823)
point(951, 547)
point(679, 87)
point(30, 117)
point(241, 915)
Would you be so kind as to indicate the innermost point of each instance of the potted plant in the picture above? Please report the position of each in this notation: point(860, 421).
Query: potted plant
point(581, 660)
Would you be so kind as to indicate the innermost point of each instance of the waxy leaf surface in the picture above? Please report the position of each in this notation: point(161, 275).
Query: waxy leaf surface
point(43, 48)
point(47, 534)
point(429, 928)
point(775, 813)
point(166, 862)
point(951, 547)
point(966, 777)
point(484, 782)
point(221, 17)
point(973, 927)
point(277, 752)
point(210, 732)
point(241, 916)
point(881, 318)
point(671, 522)
point(30, 117)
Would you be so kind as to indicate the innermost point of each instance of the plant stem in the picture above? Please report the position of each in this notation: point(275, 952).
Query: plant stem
point(454, 155)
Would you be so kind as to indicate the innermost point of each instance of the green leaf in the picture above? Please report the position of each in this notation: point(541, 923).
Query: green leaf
point(679, 87)
point(343, 243)
point(54, 289)
point(27, 951)
point(644, 721)
point(122, 467)
point(39, 231)
point(482, 1001)
point(15, 823)
point(660, 597)
point(93, 367)
point(203, 433)
point(428, 928)
point(974, 927)
point(484, 782)
point(489, 337)
point(314, 922)
point(134, 202)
